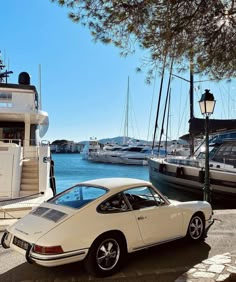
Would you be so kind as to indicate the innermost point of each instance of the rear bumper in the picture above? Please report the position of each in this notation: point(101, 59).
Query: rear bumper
point(209, 223)
point(42, 259)
point(55, 260)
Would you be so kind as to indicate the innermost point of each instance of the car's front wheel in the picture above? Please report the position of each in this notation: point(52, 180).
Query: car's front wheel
point(106, 255)
point(196, 228)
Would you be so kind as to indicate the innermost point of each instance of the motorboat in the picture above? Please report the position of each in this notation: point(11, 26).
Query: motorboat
point(26, 167)
point(178, 149)
point(135, 154)
point(102, 155)
point(90, 147)
point(120, 155)
point(141, 157)
point(115, 157)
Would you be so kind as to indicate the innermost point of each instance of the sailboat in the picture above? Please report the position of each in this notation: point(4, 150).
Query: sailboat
point(130, 152)
point(187, 174)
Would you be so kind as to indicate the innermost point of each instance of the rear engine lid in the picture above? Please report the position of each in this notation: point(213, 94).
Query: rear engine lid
point(40, 221)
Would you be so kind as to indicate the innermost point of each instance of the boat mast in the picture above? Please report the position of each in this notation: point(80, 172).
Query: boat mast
point(159, 101)
point(191, 106)
point(126, 126)
point(167, 123)
point(166, 102)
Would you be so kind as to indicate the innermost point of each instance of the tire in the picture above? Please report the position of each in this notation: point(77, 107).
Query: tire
point(106, 255)
point(3, 239)
point(196, 228)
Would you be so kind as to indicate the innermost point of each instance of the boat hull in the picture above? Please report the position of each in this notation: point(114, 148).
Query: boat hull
point(191, 179)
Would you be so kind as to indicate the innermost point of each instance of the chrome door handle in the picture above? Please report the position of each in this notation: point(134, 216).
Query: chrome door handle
point(141, 217)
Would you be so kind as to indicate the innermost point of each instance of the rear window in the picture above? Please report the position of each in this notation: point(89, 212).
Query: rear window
point(78, 196)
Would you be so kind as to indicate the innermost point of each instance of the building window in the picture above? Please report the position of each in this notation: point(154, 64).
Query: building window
point(5, 100)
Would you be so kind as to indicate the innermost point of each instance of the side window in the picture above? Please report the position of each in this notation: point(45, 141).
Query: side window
point(143, 197)
point(115, 204)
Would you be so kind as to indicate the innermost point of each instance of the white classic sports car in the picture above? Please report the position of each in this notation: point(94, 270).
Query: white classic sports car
point(100, 221)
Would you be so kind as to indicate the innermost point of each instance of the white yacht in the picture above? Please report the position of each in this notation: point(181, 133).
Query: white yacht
point(136, 154)
point(102, 155)
point(140, 157)
point(26, 168)
point(114, 156)
point(90, 147)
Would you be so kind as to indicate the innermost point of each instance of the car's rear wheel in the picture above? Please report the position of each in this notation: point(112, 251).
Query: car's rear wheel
point(106, 255)
point(196, 228)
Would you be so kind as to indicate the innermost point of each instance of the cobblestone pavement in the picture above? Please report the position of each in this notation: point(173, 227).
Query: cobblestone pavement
point(221, 267)
point(218, 268)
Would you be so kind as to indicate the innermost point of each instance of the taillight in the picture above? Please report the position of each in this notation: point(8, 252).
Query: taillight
point(47, 250)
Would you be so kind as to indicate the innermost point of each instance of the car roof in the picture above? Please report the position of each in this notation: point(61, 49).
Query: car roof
point(118, 183)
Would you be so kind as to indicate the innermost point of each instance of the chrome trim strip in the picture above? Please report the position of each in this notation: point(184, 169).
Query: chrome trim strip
point(156, 244)
point(55, 257)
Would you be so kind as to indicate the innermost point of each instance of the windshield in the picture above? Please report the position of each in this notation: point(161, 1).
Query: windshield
point(212, 150)
point(78, 196)
point(222, 137)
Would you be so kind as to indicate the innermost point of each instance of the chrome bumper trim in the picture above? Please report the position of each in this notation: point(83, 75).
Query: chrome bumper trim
point(34, 256)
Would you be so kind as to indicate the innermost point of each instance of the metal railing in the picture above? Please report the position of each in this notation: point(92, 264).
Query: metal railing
point(10, 141)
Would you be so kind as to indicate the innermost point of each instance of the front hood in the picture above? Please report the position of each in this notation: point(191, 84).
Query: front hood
point(174, 202)
point(39, 221)
point(192, 205)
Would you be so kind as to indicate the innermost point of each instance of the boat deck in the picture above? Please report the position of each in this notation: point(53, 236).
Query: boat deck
point(12, 210)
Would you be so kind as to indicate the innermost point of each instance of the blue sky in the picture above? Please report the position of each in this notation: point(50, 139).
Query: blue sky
point(84, 85)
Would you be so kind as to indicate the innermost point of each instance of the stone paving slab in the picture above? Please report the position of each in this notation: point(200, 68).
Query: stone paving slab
point(216, 269)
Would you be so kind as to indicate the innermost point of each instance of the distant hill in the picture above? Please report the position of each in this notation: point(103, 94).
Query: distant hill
point(59, 142)
point(118, 140)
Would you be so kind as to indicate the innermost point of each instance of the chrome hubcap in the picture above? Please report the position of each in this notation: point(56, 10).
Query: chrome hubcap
point(108, 254)
point(196, 227)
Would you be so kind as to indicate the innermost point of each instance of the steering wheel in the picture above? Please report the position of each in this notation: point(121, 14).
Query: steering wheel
point(130, 197)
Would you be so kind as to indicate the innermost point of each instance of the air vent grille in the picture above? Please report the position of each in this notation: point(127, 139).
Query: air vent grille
point(49, 214)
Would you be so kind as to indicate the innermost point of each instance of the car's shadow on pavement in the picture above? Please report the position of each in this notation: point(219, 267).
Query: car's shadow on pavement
point(165, 261)
point(178, 256)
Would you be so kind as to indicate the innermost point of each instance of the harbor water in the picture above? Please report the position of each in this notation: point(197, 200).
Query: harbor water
point(71, 169)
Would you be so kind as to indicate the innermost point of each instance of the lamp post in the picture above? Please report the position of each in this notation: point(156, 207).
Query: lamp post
point(207, 105)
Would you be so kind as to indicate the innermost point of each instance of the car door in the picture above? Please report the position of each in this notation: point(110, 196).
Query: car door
point(158, 220)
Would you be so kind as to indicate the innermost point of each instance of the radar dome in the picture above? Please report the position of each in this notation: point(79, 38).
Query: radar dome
point(24, 78)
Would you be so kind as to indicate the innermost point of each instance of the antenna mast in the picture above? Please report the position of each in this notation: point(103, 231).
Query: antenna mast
point(40, 87)
point(3, 75)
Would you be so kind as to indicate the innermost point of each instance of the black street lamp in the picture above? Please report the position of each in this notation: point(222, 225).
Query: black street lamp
point(207, 105)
